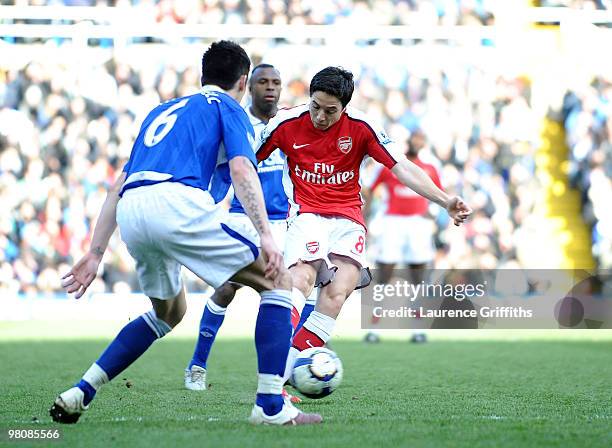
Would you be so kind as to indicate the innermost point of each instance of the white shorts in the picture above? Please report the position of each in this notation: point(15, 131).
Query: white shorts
point(406, 239)
point(169, 225)
point(312, 237)
point(277, 226)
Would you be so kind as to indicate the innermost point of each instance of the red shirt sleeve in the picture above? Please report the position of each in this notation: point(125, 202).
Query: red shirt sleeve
point(380, 147)
point(267, 144)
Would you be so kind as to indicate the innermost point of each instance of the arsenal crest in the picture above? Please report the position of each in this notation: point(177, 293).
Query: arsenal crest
point(312, 247)
point(345, 144)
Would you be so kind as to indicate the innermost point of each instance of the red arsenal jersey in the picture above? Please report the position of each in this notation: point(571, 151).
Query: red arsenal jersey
point(322, 167)
point(403, 200)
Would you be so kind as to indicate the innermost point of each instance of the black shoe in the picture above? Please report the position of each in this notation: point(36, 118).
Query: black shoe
point(418, 338)
point(59, 415)
point(371, 338)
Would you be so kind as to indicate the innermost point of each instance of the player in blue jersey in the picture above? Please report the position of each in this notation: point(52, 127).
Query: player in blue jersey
point(168, 219)
point(264, 89)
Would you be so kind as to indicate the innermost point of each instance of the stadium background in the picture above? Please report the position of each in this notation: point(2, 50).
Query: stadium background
point(515, 102)
point(515, 98)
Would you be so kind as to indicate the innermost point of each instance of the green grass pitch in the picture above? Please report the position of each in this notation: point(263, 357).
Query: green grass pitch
point(443, 393)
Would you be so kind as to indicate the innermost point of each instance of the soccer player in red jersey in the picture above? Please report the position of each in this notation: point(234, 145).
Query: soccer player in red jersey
point(408, 231)
point(325, 143)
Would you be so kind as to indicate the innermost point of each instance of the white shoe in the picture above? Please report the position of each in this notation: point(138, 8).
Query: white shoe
point(289, 415)
point(69, 406)
point(195, 379)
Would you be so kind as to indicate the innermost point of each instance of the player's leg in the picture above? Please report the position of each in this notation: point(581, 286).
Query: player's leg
point(345, 247)
point(210, 323)
point(389, 254)
point(129, 344)
point(309, 306)
point(306, 249)
point(319, 326)
point(384, 272)
point(317, 329)
point(304, 276)
point(418, 256)
point(273, 332)
point(417, 272)
point(159, 278)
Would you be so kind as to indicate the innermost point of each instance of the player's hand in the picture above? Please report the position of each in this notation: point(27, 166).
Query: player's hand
point(272, 256)
point(458, 210)
point(78, 279)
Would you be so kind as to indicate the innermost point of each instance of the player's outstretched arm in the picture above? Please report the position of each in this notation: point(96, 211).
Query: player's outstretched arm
point(415, 178)
point(78, 279)
point(247, 188)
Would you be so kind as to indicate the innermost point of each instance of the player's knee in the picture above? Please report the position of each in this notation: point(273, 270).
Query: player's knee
point(331, 303)
point(284, 280)
point(173, 316)
point(224, 294)
point(303, 279)
point(172, 312)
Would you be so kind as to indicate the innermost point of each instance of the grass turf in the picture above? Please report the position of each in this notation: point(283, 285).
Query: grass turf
point(474, 393)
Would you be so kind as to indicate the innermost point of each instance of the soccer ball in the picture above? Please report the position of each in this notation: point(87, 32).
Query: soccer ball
point(317, 372)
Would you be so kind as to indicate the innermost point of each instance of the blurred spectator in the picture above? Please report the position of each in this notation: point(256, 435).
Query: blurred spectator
point(587, 115)
point(316, 12)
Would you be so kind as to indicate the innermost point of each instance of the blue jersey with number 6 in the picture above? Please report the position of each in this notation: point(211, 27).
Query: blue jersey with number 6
point(188, 139)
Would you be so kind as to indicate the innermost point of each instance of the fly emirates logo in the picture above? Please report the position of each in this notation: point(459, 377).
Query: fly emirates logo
point(324, 174)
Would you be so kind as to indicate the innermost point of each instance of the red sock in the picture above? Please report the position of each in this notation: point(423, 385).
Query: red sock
point(295, 317)
point(304, 339)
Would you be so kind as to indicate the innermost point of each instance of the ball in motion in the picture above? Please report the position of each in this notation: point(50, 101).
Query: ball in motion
point(317, 372)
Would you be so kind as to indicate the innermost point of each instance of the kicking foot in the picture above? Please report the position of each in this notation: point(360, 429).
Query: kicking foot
point(69, 406)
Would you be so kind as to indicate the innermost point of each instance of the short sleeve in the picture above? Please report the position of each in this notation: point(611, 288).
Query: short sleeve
point(269, 139)
point(238, 134)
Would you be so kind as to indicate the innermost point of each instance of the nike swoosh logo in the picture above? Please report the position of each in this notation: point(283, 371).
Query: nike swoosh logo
point(309, 344)
point(299, 146)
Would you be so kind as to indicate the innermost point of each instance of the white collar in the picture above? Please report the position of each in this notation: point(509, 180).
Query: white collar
point(254, 120)
point(213, 87)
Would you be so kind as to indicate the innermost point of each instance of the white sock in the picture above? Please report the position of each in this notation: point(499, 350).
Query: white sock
point(298, 299)
point(95, 376)
point(269, 384)
point(320, 324)
point(291, 357)
point(215, 309)
point(312, 298)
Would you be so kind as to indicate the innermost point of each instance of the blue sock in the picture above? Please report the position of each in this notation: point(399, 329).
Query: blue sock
point(308, 308)
point(131, 342)
point(211, 321)
point(88, 390)
point(272, 340)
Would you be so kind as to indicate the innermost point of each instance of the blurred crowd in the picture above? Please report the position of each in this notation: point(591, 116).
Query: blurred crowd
point(577, 4)
point(587, 115)
point(66, 133)
point(317, 12)
point(67, 126)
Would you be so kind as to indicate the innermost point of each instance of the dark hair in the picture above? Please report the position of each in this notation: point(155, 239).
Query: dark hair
point(334, 81)
point(258, 66)
point(224, 63)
